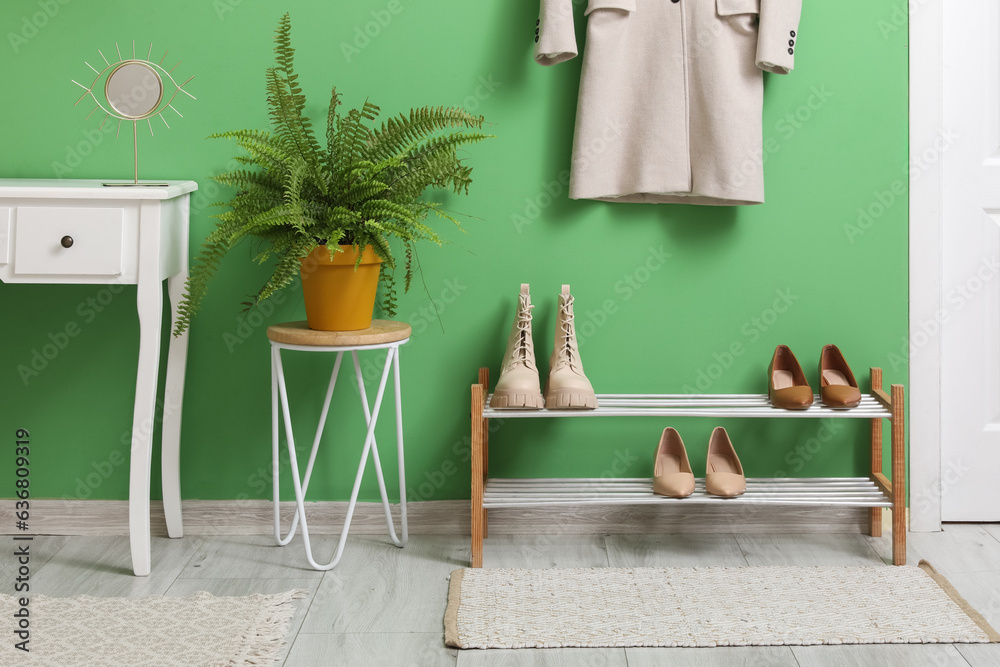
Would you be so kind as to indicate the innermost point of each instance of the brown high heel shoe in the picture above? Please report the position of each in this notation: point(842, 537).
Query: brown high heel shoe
point(837, 386)
point(787, 386)
point(723, 471)
point(672, 475)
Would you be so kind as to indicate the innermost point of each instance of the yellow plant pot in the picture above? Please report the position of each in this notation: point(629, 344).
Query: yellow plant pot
point(338, 298)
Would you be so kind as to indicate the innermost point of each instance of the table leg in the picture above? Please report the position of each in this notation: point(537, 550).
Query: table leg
point(173, 397)
point(149, 303)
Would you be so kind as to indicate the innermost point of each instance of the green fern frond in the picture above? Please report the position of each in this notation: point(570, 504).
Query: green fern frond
point(244, 180)
point(387, 279)
point(409, 267)
point(264, 150)
point(396, 135)
point(364, 192)
point(287, 103)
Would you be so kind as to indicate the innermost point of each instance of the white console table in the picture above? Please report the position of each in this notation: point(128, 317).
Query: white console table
point(81, 232)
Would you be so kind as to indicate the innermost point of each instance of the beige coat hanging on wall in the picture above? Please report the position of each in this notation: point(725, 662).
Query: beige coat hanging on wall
point(671, 94)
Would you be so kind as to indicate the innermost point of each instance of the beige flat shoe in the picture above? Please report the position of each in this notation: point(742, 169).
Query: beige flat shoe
point(723, 471)
point(672, 475)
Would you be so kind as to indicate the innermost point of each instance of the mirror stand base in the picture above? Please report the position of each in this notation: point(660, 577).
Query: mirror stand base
point(136, 185)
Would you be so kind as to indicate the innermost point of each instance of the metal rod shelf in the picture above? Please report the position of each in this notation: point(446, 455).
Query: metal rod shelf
point(823, 492)
point(695, 405)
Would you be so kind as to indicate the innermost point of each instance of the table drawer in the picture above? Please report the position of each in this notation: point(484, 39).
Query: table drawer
point(94, 237)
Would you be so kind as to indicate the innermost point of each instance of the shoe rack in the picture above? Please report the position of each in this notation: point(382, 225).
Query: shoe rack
point(875, 491)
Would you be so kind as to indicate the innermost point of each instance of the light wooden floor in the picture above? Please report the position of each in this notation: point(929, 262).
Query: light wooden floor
point(384, 606)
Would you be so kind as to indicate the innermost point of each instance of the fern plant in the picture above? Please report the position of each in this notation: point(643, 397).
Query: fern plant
point(363, 187)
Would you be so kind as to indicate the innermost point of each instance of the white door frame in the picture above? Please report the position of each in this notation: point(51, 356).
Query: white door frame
point(926, 31)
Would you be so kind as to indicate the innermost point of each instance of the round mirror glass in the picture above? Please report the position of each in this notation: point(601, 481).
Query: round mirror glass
point(134, 89)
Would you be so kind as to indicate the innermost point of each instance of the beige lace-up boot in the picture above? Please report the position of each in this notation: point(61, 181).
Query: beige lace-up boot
point(518, 386)
point(567, 388)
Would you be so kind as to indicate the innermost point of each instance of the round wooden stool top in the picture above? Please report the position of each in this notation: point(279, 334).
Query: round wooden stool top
point(299, 333)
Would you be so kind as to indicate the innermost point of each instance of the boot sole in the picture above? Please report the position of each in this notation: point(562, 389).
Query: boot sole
point(570, 400)
point(517, 401)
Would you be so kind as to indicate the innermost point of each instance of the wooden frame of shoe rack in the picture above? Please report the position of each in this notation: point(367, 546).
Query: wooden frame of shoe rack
point(874, 492)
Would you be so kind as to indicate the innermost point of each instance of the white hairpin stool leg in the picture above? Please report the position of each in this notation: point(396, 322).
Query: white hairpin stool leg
point(392, 353)
point(282, 541)
point(369, 441)
point(299, 492)
point(282, 395)
point(294, 464)
point(399, 448)
point(275, 467)
point(279, 394)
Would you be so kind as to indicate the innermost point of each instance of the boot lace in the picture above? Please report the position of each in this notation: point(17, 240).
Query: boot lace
point(520, 353)
point(565, 348)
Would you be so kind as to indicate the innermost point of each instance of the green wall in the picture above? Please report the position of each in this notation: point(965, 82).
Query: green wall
point(663, 293)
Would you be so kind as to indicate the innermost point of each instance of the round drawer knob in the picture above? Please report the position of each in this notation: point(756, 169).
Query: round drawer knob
point(67, 242)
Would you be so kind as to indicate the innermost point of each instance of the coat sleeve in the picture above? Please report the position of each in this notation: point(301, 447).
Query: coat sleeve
point(778, 35)
point(555, 39)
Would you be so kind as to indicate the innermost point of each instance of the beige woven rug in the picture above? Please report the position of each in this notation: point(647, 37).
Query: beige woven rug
point(710, 606)
point(199, 629)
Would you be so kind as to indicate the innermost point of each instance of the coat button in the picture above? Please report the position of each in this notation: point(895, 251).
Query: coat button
point(790, 51)
point(791, 42)
point(538, 21)
point(536, 41)
point(792, 33)
point(675, 1)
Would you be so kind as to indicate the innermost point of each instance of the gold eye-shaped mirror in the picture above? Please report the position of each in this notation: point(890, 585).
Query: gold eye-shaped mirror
point(134, 90)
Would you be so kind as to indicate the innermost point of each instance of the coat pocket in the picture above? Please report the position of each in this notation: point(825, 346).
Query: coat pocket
point(733, 7)
point(624, 5)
